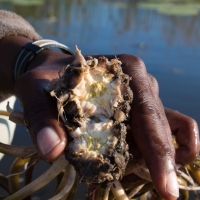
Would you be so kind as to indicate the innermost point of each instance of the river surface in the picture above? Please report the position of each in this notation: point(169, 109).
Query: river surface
point(166, 35)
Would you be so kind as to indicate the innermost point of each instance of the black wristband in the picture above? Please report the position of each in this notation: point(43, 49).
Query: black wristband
point(30, 50)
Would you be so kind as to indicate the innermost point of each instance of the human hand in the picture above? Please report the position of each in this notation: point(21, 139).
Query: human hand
point(149, 126)
point(39, 108)
point(151, 130)
point(185, 130)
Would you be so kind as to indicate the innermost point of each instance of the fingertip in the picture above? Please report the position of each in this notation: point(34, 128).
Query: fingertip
point(165, 180)
point(172, 184)
point(47, 139)
point(169, 190)
point(50, 145)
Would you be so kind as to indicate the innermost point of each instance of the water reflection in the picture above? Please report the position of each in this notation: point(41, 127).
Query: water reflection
point(109, 21)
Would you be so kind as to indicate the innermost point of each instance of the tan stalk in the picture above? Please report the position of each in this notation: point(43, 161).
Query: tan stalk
point(73, 189)
point(62, 181)
point(30, 167)
point(143, 172)
point(4, 113)
point(17, 151)
point(68, 179)
point(14, 115)
point(14, 173)
point(187, 177)
point(41, 181)
point(189, 188)
point(135, 191)
point(144, 196)
point(118, 191)
point(184, 193)
point(194, 171)
point(58, 180)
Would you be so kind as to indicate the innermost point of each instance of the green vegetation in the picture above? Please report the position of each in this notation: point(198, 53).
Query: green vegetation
point(24, 2)
point(172, 7)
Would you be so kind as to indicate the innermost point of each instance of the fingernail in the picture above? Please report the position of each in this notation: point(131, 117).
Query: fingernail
point(172, 184)
point(47, 139)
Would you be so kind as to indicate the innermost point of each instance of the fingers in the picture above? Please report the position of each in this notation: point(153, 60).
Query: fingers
point(150, 128)
point(186, 132)
point(40, 115)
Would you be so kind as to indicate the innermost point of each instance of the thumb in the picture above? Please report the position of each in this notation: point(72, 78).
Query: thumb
point(41, 117)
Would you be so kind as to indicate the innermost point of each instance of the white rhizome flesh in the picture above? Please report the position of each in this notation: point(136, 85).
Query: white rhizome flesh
point(93, 100)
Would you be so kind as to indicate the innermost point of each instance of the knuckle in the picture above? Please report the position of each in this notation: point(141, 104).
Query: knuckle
point(192, 124)
point(133, 60)
point(153, 82)
point(148, 107)
point(191, 127)
point(193, 153)
point(189, 149)
point(186, 155)
point(145, 98)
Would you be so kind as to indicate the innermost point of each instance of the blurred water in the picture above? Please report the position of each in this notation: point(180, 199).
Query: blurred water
point(165, 35)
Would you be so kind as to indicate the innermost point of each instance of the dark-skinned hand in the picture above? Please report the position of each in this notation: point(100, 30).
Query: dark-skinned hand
point(151, 125)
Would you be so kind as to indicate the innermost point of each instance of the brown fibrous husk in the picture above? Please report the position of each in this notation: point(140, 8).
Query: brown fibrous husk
point(93, 100)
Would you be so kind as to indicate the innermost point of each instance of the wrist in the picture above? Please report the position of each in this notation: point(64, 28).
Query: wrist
point(9, 49)
point(38, 51)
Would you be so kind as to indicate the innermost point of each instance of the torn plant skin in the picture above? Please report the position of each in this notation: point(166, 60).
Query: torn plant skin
point(93, 100)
